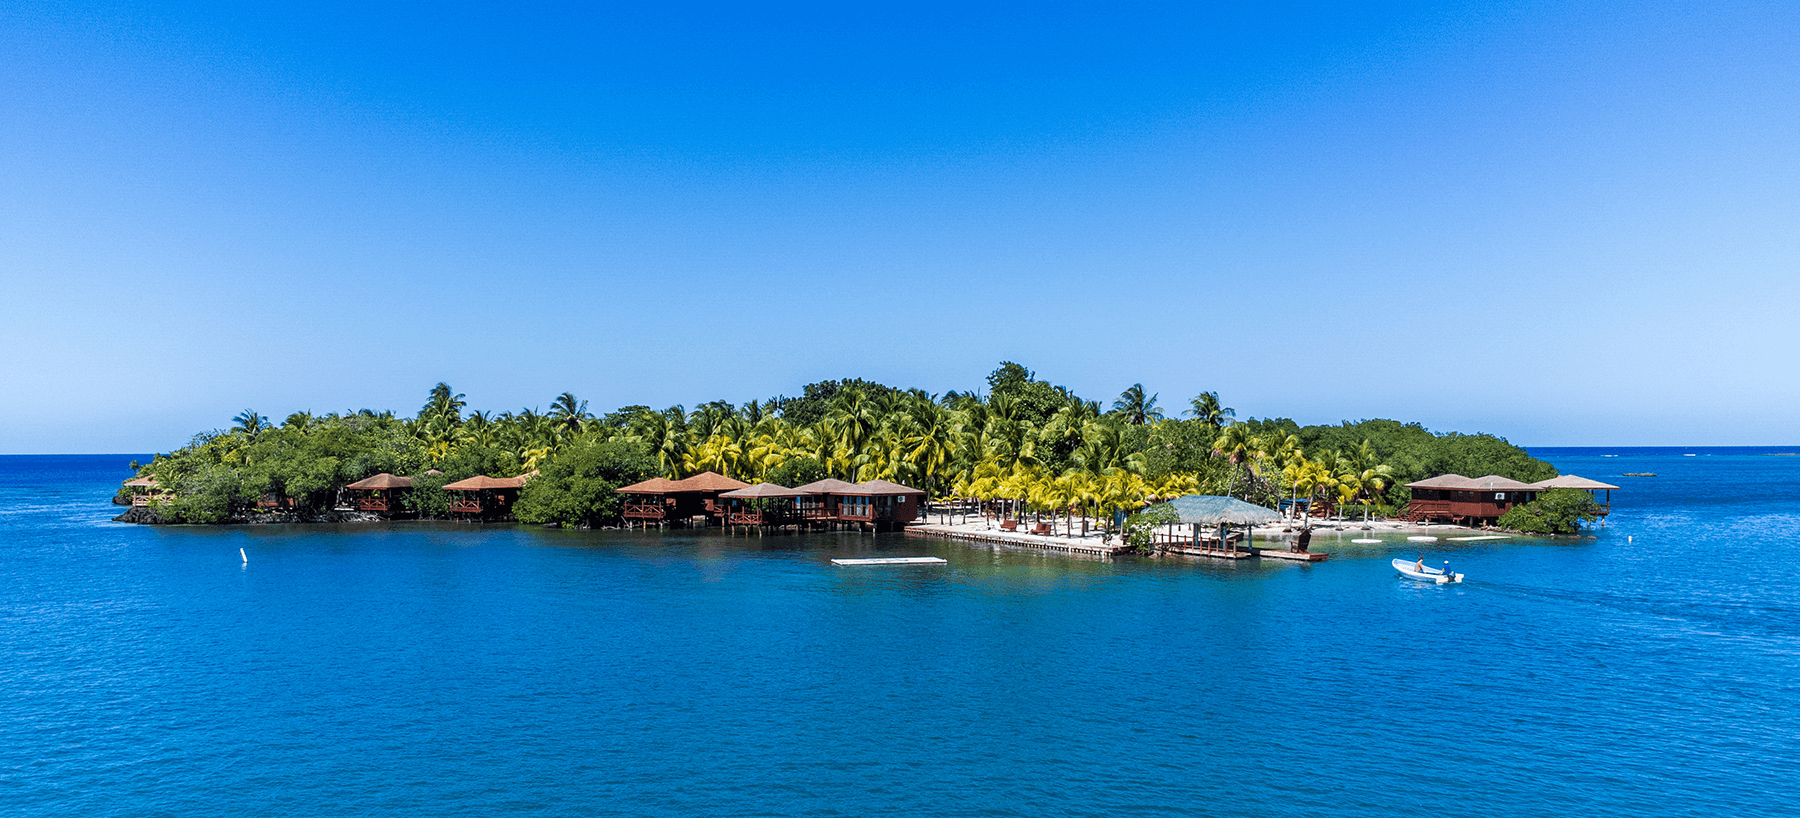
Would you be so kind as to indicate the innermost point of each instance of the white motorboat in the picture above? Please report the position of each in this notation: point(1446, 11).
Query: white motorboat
point(1414, 569)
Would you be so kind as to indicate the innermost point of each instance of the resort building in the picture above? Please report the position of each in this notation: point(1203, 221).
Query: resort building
point(820, 502)
point(880, 504)
point(143, 490)
point(660, 500)
point(1466, 500)
point(1481, 500)
point(764, 504)
point(485, 497)
point(721, 500)
point(378, 494)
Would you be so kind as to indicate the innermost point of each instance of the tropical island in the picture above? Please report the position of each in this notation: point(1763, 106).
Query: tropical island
point(1027, 443)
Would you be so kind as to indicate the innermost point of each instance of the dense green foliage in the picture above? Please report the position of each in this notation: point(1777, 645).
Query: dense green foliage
point(797, 471)
point(1557, 511)
point(579, 486)
point(1026, 440)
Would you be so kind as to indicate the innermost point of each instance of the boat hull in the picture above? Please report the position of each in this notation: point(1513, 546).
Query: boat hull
point(1408, 569)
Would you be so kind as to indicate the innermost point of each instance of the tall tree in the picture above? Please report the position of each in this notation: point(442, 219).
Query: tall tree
point(1208, 410)
point(249, 423)
point(569, 413)
point(1136, 409)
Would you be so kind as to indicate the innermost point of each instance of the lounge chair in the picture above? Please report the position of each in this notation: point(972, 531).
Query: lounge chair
point(1041, 529)
point(1009, 525)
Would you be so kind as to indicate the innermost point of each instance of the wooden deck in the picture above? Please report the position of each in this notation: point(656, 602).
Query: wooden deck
point(1296, 556)
point(1093, 548)
point(892, 561)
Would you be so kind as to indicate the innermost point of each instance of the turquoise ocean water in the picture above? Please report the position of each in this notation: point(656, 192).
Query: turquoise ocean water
point(422, 669)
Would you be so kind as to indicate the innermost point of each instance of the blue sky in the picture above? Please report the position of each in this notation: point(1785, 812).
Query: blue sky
point(1566, 224)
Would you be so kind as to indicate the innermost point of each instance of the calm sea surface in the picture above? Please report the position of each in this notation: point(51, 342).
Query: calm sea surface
point(422, 669)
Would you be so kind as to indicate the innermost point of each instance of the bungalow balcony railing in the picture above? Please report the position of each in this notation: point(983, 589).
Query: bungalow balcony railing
point(646, 510)
point(373, 504)
point(472, 506)
point(750, 517)
point(1421, 509)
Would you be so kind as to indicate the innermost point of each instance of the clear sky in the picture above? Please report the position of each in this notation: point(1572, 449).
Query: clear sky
point(1562, 223)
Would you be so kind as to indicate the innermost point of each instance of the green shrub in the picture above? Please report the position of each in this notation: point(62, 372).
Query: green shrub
point(1557, 511)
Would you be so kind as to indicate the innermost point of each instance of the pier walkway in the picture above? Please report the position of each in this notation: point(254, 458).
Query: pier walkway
point(1090, 545)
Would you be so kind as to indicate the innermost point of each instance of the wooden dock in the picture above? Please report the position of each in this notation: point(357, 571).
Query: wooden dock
point(892, 561)
point(1296, 556)
point(1092, 548)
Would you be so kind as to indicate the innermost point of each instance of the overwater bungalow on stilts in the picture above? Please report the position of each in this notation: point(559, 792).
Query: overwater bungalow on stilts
point(379, 494)
point(763, 505)
point(484, 498)
point(712, 498)
point(661, 501)
point(819, 505)
point(879, 504)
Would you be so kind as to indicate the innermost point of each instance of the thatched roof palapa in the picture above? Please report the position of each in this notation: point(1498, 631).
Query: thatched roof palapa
point(1570, 481)
point(482, 482)
point(382, 481)
point(1207, 509)
point(764, 490)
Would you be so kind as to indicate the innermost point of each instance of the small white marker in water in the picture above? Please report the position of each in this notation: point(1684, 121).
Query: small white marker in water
point(245, 556)
point(1627, 539)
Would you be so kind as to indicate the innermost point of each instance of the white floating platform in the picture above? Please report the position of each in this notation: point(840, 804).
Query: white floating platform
point(1421, 538)
point(893, 561)
point(1366, 541)
point(1478, 539)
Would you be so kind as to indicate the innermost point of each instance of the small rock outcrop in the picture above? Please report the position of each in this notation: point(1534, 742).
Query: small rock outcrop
point(140, 514)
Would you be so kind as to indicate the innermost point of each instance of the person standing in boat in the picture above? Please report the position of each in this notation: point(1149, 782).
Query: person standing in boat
point(1446, 570)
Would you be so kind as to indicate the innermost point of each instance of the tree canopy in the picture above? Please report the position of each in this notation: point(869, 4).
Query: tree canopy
point(1026, 440)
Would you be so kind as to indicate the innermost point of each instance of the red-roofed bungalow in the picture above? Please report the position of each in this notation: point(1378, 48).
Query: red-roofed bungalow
point(879, 503)
point(484, 496)
point(763, 504)
point(660, 500)
point(1467, 500)
point(378, 494)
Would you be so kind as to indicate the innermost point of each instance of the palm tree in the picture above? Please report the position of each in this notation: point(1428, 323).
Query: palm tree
point(299, 421)
point(569, 413)
point(445, 403)
point(249, 422)
point(1135, 408)
point(1207, 410)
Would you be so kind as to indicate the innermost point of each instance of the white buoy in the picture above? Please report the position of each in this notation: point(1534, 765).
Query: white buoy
point(245, 556)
